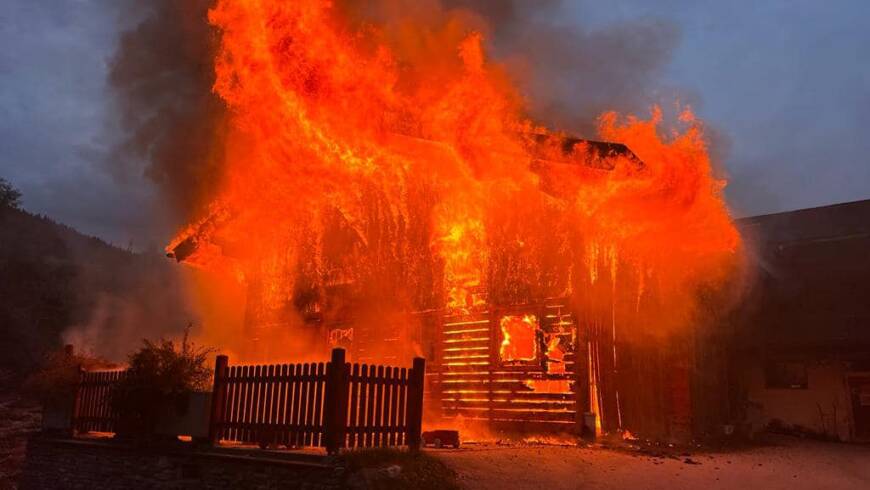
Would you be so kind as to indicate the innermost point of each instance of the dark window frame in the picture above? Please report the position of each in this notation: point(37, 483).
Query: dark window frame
point(786, 375)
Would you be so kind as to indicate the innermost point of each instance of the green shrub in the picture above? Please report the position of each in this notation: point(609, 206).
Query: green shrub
point(160, 376)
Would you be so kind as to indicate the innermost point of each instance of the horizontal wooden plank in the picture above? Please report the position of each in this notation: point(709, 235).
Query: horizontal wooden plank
point(462, 343)
point(518, 415)
point(475, 374)
point(526, 427)
point(471, 367)
point(510, 395)
point(502, 403)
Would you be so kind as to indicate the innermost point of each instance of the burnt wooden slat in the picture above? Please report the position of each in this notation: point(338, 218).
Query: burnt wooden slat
point(318, 401)
point(370, 407)
point(354, 404)
point(257, 402)
point(305, 402)
point(281, 405)
point(238, 389)
point(266, 401)
point(245, 410)
point(297, 404)
point(273, 412)
point(395, 387)
point(519, 415)
point(224, 433)
point(379, 407)
point(403, 392)
point(250, 404)
point(495, 404)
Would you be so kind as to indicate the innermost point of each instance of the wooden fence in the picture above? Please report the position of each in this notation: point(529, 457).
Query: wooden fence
point(93, 403)
point(331, 405)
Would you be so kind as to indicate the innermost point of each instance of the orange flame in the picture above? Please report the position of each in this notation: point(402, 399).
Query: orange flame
point(398, 163)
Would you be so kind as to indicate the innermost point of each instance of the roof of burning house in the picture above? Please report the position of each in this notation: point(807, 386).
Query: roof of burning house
point(545, 150)
point(810, 280)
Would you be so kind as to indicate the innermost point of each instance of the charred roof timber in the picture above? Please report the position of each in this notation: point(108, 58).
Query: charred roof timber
point(597, 154)
point(184, 249)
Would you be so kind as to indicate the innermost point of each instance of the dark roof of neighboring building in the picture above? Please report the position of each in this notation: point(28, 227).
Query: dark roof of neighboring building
point(811, 278)
point(824, 222)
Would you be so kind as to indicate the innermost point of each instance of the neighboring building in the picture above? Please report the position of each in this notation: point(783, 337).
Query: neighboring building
point(805, 324)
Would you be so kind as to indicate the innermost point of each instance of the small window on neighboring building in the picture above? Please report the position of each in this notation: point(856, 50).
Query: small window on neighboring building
point(785, 375)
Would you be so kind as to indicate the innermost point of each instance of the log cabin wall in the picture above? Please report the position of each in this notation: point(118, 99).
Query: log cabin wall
point(475, 379)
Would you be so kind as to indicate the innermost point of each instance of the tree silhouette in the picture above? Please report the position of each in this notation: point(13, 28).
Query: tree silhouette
point(9, 195)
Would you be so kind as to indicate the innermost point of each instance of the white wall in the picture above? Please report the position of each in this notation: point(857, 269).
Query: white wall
point(824, 407)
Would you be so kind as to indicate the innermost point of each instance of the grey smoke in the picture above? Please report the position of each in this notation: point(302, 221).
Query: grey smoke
point(161, 76)
point(570, 72)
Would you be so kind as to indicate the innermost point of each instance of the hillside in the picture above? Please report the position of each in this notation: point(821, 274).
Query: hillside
point(59, 285)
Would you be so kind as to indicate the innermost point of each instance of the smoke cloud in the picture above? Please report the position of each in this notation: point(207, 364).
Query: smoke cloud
point(174, 124)
point(161, 74)
point(571, 73)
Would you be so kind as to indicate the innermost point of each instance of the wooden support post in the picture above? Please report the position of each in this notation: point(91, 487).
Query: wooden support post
point(581, 385)
point(335, 402)
point(218, 398)
point(415, 403)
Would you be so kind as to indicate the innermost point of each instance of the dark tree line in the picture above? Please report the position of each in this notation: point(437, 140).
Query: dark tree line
point(54, 279)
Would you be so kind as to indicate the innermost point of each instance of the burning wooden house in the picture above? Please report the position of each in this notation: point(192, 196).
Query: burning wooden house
point(516, 353)
point(389, 195)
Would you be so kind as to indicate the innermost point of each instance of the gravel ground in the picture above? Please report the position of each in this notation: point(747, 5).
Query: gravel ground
point(782, 463)
point(18, 419)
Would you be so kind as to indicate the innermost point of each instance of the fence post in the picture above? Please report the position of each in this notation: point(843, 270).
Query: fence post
point(415, 403)
point(77, 401)
point(218, 398)
point(335, 402)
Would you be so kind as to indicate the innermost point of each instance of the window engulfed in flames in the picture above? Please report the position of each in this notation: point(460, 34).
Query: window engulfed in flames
point(519, 338)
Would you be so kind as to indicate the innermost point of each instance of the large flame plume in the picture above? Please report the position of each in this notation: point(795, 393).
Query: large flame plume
point(398, 163)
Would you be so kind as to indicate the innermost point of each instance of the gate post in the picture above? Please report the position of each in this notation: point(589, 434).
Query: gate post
point(415, 403)
point(218, 398)
point(335, 402)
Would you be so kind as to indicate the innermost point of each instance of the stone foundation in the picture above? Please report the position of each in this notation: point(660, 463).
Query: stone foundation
point(90, 464)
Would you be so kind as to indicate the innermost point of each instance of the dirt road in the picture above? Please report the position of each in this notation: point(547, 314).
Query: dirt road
point(785, 463)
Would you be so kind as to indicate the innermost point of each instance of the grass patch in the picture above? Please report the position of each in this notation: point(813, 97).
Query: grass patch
point(418, 470)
